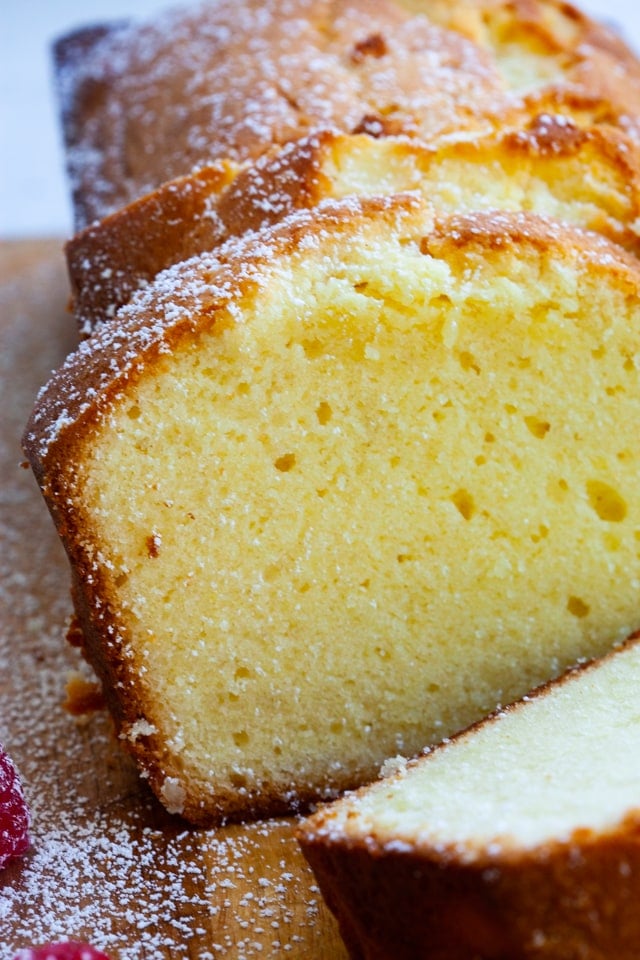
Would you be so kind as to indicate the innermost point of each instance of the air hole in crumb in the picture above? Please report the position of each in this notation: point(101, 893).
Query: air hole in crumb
point(243, 388)
point(539, 428)
point(337, 726)
point(543, 531)
point(322, 492)
point(121, 579)
point(557, 489)
point(404, 557)
point(241, 738)
point(238, 780)
point(277, 750)
point(441, 412)
point(577, 607)
point(242, 673)
point(606, 501)
point(313, 348)
point(480, 460)
point(271, 572)
point(361, 286)
point(489, 437)
point(598, 353)
point(324, 412)
point(394, 461)
point(510, 408)
point(134, 412)
point(383, 653)
point(365, 584)
point(611, 542)
point(463, 502)
point(468, 361)
point(285, 463)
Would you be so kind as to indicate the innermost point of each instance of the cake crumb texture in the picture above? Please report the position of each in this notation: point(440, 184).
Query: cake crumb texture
point(525, 825)
point(106, 865)
point(388, 464)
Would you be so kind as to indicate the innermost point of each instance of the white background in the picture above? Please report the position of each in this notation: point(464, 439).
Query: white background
point(33, 193)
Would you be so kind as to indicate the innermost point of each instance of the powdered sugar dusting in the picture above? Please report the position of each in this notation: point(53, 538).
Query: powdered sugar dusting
point(232, 78)
point(267, 903)
point(107, 865)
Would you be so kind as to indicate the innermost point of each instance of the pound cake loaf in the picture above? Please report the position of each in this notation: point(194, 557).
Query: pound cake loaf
point(584, 175)
point(338, 492)
point(146, 103)
point(518, 839)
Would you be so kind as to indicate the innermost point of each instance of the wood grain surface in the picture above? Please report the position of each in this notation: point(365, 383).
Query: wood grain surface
point(106, 864)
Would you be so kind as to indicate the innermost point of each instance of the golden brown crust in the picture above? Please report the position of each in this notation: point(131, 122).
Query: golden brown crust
point(231, 79)
point(107, 262)
point(593, 60)
point(187, 216)
point(563, 899)
point(577, 899)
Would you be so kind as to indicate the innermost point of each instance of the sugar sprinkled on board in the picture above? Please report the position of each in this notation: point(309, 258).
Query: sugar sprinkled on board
point(99, 868)
point(106, 865)
point(93, 870)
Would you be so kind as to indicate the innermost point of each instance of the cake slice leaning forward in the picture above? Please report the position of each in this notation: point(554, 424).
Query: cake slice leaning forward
point(337, 494)
point(517, 839)
point(587, 174)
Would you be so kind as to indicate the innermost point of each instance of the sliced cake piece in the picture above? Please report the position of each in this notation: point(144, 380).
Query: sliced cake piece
point(519, 838)
point(340, 492)
point(587, 175)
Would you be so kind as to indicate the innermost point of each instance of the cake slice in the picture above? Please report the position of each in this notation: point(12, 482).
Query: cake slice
point(335, 494)
point(519, 838)
point(587, 175)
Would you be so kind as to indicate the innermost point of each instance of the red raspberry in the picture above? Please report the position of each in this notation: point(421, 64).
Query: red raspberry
point(61, 951)
point(14, 814)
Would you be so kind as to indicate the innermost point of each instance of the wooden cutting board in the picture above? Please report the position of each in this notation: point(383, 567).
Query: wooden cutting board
point(106, 864)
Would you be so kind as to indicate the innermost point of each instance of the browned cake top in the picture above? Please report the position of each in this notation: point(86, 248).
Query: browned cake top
point(142, 104)
point(188, 295)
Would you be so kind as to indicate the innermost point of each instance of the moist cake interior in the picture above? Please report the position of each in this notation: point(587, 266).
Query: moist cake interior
point(397, 487)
